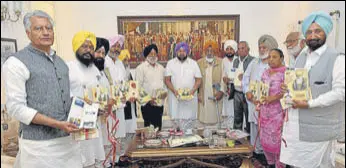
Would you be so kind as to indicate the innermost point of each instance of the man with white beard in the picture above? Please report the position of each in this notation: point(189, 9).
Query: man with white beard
point(295, 44)
point(254, 73)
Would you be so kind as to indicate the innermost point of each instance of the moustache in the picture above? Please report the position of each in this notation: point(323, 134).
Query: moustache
point(314, 44)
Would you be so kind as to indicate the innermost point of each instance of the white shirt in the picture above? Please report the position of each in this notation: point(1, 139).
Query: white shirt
point(309, 154)
point(118, 73)
point(182, 76)
point(82, 76)
point(150, 77)
point(240, 70)
point(116, 70)
point(15, 75)
point(228, 105)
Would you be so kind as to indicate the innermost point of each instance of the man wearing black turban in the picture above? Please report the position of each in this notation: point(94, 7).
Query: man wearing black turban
point(150, 75)
point(102, 48)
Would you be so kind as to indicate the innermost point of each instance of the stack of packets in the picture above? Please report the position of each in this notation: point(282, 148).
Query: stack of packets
point(297, 82)
point(101, 96)
point(144, 97)
point(184, 94)
point(119, 91)
point(236, 134)
point(133, 91)
point(175, 142)
point(259, 90)
point(84, 116)
point(125, 90)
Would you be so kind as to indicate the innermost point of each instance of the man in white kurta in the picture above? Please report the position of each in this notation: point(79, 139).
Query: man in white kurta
point(102, 48)
point(84, 75)
point(230, 48)
point(182, 72)
point(304, 154)
point(118, 74)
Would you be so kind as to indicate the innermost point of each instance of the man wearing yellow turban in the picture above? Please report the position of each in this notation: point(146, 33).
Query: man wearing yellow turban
point(84, 75)
point(315, 125)
point(84, 44)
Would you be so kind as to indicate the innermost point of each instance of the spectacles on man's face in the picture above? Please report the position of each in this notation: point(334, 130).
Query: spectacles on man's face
point(290, 41)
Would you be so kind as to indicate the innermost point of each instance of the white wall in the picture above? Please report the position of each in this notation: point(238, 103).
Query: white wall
point(256, 19)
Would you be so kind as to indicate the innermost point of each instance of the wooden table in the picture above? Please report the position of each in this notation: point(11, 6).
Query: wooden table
point(202, 156)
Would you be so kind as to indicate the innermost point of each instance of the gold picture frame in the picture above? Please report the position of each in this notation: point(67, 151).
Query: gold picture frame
point(167, 31)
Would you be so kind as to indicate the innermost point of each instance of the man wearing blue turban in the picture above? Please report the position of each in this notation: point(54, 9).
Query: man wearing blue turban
point(316, 124)
point(182, 72)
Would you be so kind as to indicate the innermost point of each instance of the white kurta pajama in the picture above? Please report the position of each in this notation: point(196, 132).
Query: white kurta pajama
point(80, 76)
point(182, 76)
point(227, 105)
point(118, 74)
point(58, 152)
point(313, 154)
point(254, 73)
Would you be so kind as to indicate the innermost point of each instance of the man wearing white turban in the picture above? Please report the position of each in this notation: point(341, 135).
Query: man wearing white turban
point(230, 48)
point(314, 125)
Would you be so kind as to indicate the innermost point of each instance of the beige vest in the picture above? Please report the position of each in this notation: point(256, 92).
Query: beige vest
point(216, 77)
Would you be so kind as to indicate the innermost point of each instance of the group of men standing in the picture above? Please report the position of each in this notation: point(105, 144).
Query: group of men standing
point(39, 86)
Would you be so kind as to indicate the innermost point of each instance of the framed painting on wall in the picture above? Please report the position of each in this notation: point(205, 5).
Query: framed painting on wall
point(8, 47)
point(167, 31)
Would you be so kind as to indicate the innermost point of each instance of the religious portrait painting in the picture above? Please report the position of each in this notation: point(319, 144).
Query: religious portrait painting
point(167, 31)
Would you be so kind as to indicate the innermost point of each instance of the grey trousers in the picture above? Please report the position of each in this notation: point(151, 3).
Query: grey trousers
point(240, 109)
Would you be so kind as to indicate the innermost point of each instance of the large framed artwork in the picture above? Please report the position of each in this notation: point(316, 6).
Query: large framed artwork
point(8, 47)
point(167, 31)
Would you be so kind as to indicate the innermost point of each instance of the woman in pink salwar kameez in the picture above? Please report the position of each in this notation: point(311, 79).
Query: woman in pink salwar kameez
point(271, 114)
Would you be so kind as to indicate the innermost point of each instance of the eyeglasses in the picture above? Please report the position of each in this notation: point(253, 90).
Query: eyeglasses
point(290, 41)
point(39, 29)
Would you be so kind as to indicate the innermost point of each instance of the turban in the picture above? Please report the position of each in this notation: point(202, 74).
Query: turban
point(119, 38)
point(148, 49)
point(269, 41)
point(124, 54)
point(102, 42)
point(321, 18)
point(81, 37)
point(231, 43)
point(182, 45)
point(212, 44)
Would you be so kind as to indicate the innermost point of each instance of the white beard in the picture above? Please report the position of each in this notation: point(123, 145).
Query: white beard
point(264, 56)
point(294, 51)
